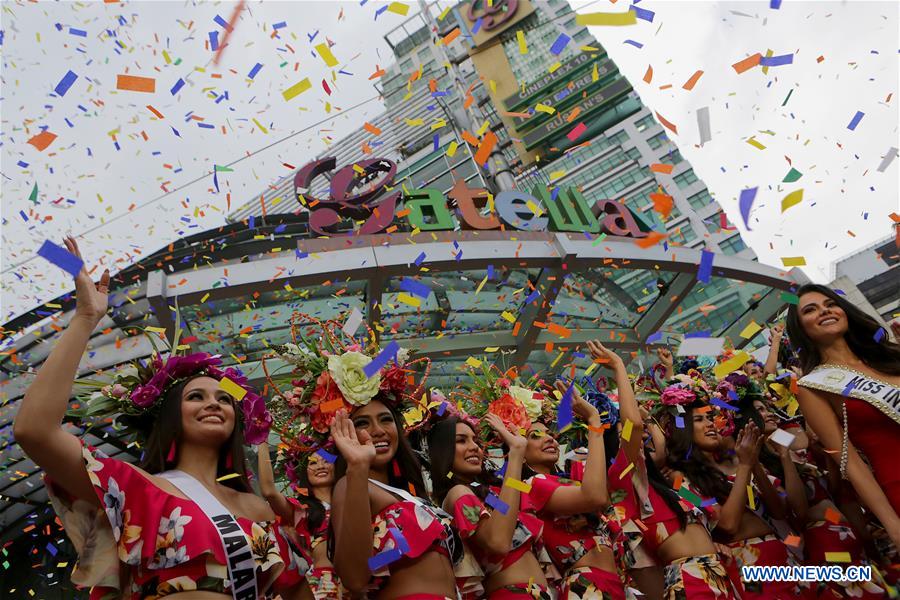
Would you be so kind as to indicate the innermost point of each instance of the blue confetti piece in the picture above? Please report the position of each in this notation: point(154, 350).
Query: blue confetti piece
point(642, 13)
point(382, 359)
point(299, 254)
point(490, 271)
point(178, 85)
point(776, 61)
point(879, 335)
point(746, 203)
point(416, 288)
point(654, 337)
point(497, 504)
point(564, 412)
point(379, 11)
point(634, 43)
point(704, 273)
point(732, 395)
point(254, 70)
point(420, 259)
point(722, 404)
point(774, 4)
point(437, 142)
point(382, 559)
point(856, 119)
point(560, 44)
point(213, 40)
point(219, 20)
point(22, 164)
point(326, 455)
point(401, 542)
point(252, 222)
point(60, 257)
point(840, 292)
point(51, 549)
point(698, 334)
point(279, 25)
point(849, 388)
point(280, 228)
point(708, 501)
point(532, 297)
point(679, 422)
point(205, 125)
point(477, 26)
point(78, 32)
point(441, 409)
point(65, 83)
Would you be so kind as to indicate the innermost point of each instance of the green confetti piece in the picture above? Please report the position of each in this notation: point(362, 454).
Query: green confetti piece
point(790, 298)
point(221, 169)
point(599, 239)
point(792, 176)
point(788, 97)
point(34, 193)
point(690, 496)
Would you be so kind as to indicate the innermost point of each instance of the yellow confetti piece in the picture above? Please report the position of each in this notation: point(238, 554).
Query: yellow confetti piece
point(398, 8)
point(451, 149)
point(792, 199)
point(261, 128)
point(607, 19)
point(205, 296)
point(407, 299)
point(155, 329)
point(508, 316)
point(793, 261)
point(483, 127)
point(626, 470)
point(481, 285)
point(227, 477)
point(325, 52)
point(595, 74)
point(750, 499)
point(626, 430)
point(296, 89)
point(492, 349)
point(167, 57)
point(444, 14)
point(231, 388)
point(838, 557)
point(523, 46)
point(517, 485)
point(534, 208)
point(755, 144)
point(557, 174)
point(732, 364)
point(473, 362)
point(544, 108)
point(590, 368)
point(750, 330)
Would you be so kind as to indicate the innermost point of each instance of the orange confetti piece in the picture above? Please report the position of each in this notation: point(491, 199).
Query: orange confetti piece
point(42, 140)
point(649, 74)
point(332, 405)
point(661, 168)
point(469, 138)
point(155, 112)
point(372, 129)
point(451, 36)
point(133, 83)
point(662, 203)
point(747, 64)
point(666, 123)
point(559, 330)
point(378, 73)
point(485, 147)
point(652, 239)
point(832, 516)
point(690, 83)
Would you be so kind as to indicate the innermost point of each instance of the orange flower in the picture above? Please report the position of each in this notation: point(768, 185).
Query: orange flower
point(325, 393)
point(510, 412)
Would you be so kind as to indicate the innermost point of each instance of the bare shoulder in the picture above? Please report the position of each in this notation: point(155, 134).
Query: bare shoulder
point(455, 493)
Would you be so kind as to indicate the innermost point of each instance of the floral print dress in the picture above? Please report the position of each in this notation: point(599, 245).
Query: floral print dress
point(145, 543)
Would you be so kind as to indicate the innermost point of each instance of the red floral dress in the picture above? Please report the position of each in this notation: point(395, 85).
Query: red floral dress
point(146, 543)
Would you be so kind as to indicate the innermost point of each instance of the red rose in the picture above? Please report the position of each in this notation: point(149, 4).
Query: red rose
point(393, 381)
point(510, 412)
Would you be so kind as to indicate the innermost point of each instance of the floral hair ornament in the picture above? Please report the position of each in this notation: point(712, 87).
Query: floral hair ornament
point(136, 392)
point(329, 370)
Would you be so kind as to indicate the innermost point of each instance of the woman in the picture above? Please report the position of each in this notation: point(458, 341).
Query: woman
point(387, 541)
point(502, 537)
point(656, 521)
point(196, 530)
point(850, 394)
point(307, 513)
point(577, 540)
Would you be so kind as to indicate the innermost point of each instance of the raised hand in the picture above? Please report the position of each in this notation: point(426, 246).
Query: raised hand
point(514, 441)
point(748, 444)
point(582, 409)
point(609, 359)
point(356, 447)
point(777, 331)
point(665, 356)
point(91, 300)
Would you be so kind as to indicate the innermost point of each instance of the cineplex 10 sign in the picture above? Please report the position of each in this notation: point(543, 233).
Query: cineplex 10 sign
point(365, 193)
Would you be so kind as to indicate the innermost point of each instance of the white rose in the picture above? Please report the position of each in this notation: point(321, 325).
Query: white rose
point(402, 356)
point(527, 398)
point(347, 371)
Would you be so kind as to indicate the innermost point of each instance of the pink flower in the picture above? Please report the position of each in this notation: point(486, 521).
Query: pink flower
point(675, 394)
point(503, 383)
point(145, 395)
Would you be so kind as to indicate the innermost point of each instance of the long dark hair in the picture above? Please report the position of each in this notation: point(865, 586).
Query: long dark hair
point(405, 461)
point(166, 429)
point(702, 473)
point(441, 440)
point(883, 356)
point(315, 510)
point(663, 487)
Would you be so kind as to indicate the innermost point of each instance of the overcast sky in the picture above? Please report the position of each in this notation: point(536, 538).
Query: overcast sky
point(88, 186)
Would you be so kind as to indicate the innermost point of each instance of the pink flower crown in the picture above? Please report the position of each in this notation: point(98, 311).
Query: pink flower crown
point(139, 391)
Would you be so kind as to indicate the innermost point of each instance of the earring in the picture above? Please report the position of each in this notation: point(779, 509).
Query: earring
point(396, 466)
point(172, 449)
point(228, 461)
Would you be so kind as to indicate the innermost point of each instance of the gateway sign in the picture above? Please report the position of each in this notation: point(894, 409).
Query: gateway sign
point(357, 193)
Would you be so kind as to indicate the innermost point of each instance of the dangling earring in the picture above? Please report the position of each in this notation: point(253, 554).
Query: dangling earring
point(171, 456)
point(396, 466)
point(228, 461)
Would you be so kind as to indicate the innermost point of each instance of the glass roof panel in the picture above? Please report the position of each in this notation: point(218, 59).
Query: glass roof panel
point(719, 303)
point(608, 296)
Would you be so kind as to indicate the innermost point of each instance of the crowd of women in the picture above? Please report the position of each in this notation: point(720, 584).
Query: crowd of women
point(662, 484)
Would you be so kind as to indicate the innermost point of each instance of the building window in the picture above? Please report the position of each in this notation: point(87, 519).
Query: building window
point(644, 123)
point(619, 137)
point(684, 234)
point(712, 223)
point(733, 245)
point(700, 200)
point(584, 36)
point(657, 140)
point(685, 179)
point(633, 153)
point(671, 158)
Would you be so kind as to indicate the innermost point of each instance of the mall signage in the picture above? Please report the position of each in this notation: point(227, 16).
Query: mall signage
point(582, 83)
point(488, 18)
point(358, 192)
point(539, 85)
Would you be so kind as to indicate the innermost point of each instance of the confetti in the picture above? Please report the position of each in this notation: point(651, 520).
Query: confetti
point(731, 365)
point(782, 438)
point(607, 19)
point(497, 504)
point(792, 199)
point(750, 330)
point(296, 89)
point(133, 83)
point(843, 557)
point(61, 257)
point(776, 61)
point(42, 140)
point(398, 8)
point(792, 176)
point(232, 389)
point(793, 261)
point(704, 272)
point(325, 52)
point(65, 83)
point(517, 485)
point(888, 159)
point(383, 559)
point(747, 63)
point(576, 132)
point(386, 355)
point(354, 320)
point(855, 120)
point(690, 83)
point(703, 124)
point(745, 203)
point(701, 346)
point(564, 413)
point(560, 44)
point(666, 123)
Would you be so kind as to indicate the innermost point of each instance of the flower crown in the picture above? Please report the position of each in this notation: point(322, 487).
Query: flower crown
point(737, 387)
point(330, 371)
point(138, 390)
point(517, 403)
point(433, 408)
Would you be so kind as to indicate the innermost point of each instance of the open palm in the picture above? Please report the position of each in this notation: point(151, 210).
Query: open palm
point(91, 300)
point(356, 447)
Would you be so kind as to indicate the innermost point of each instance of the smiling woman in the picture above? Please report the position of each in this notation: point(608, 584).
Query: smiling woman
point(185, 520)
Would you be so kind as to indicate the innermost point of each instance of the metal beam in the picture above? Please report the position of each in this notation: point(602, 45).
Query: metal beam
point(670, 297)
point(157, 297)
point(760, 312)
point(374, 295)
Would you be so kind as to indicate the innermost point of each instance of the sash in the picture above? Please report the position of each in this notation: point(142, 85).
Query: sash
point(240, 563)
point(843, 381)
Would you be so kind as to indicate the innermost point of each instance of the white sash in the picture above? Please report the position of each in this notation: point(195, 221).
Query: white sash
point(838, 379)
point(397, 492)
point(240, 563)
